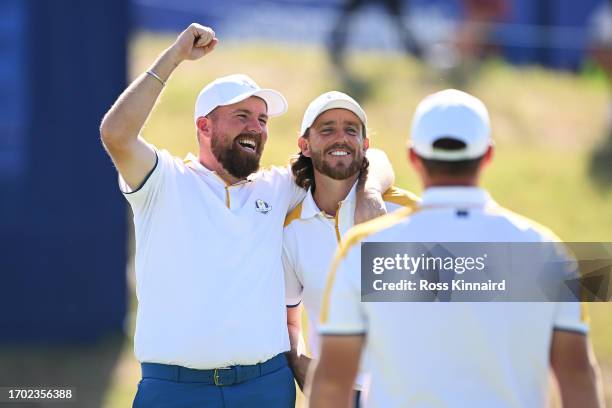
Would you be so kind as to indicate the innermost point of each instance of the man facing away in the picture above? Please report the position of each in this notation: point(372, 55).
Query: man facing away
point(332, 144)
point(211, 322)
point(450, 354)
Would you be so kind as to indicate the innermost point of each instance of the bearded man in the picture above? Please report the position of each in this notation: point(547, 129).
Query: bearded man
point(333, 145)
point(211, 324)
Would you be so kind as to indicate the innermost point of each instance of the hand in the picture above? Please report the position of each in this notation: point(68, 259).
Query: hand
point(299, 365)
point(195, 42)
point(370, 204)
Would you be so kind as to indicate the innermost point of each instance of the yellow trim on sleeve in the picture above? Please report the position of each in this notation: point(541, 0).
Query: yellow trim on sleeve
point(354, 236)
point(294, 214)
point(401, 197)
point(584, 313)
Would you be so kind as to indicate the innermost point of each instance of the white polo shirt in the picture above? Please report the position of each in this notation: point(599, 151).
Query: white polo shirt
point(310, 239)
point(448, 354)
point(209, 277)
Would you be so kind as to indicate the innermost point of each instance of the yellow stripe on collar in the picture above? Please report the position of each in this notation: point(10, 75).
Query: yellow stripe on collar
point(294, 214)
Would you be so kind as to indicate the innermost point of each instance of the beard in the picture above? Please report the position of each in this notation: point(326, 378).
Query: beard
point(340, 171)
point(234, 159)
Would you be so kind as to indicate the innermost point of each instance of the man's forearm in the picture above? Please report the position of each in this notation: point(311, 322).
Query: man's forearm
point(581, 389)
point(575, 367)
point(373, 182)
point(294, 328)
point(329, 394)
point(297, 361)
point(121, 125)
point(125, 119)
point(294, 342)
point(380, 176)
point(335, 374)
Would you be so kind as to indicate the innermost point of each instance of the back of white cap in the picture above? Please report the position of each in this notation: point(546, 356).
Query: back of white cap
point(455, 115)
point(233, 89)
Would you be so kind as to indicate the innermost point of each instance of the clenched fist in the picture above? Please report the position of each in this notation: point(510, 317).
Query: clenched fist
point(195, 42)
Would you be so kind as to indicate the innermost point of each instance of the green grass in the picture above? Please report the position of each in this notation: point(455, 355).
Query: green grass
point(545, 125)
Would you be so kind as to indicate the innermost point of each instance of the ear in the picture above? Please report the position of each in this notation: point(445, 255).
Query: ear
point(414, 160)
point(488, 156)
point(304, 146)
point(204, 125)
point(366, 143)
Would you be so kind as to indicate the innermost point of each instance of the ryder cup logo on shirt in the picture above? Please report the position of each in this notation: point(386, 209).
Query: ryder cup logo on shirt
point(262, 206)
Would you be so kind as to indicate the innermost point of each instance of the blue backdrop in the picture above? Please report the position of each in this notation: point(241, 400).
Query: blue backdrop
point(63, 221)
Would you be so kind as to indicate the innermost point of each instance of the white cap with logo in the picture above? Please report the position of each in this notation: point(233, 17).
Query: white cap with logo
point(451, 114)
point(233, 89)
point(331, 100)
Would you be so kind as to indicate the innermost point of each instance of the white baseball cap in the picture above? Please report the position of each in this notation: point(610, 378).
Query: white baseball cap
point(451, 114)
point(235, 88)
point(331, 100)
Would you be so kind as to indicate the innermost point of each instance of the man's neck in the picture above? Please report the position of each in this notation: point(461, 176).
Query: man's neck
point(329, 192)
point(450, 182)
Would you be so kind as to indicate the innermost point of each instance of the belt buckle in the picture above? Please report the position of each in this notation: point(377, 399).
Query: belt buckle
point(216, 379)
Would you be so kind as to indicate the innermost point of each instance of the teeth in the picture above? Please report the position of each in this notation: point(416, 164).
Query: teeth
point(248, 142)
point(339, 153)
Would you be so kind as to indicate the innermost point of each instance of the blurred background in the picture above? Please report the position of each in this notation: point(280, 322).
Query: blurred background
point(541, 66)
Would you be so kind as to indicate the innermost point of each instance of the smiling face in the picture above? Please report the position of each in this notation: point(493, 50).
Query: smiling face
point(336, 144)
point(238, 135)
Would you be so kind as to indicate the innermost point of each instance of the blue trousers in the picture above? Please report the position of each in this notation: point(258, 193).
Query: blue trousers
point(275, 390)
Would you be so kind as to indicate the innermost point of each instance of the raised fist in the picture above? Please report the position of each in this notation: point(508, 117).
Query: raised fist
point(195, 42)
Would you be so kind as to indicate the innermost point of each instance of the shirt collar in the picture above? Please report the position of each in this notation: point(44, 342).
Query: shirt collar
point(193, 163)
point(453, 196)
point(310, 208)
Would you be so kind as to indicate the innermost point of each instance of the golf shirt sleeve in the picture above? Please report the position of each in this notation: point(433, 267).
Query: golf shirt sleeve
point(144, 196)
point(342, 311)
point(572, 316)
point(293, 283)
point(569, 316)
